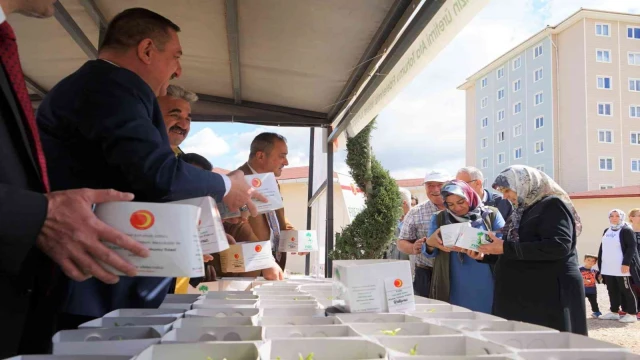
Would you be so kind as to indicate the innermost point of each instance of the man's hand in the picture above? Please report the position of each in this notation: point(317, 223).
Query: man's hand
point(71, 235)
point(241, 194)
point(417, 246)
point(206, 258)
point(273, 273)
point(230, 239)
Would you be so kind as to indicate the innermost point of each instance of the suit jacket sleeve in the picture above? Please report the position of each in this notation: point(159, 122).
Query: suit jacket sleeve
point(555, 232)
point(22, 214)
point(119, 117)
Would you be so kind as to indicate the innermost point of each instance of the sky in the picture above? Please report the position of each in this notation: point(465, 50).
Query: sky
point(422, 129)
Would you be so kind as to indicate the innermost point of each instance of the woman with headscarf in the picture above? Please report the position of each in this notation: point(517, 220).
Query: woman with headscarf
point(616, 258)
point(457, 278)
point(537, 277)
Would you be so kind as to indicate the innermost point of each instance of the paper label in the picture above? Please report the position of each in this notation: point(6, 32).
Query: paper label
point(365, 298)
point(248, 256)
point(169, 231)
point(471, 238)
point(267, 185)
point(298, 241)
point(399, 294)
point(210, 228)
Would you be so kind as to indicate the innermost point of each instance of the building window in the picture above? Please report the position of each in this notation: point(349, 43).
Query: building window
point(634, 111)
point(485, 122)
point(501, 159)
point(605, 136)
point(603, 56)
point(606, 186)
point(602, 29)
point(537, 51)
point(540, 168)
point(604, 82)
point(484, 142)
point(635, 138)
point(635, 165)
point(484, 82)
point(538, 99)
point(517, 85)
point(500, 94)
point(634, 58)
point(500, 115)
point(500, 73)
point(517, 62)
point(539, 122)
point(485, 163)
point(633, 32)
point(539, 146)
point(517, 130)
point(606, 164)
point(604, 109)
point(484, 102)
point(634, 85)
point(517, 108)
point(517, 153)
point(500, 136)
point(537, 75)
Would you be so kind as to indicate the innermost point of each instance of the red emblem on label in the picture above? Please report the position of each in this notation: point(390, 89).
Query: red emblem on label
point(397, 283)
point(142, 219)
point(258, 248)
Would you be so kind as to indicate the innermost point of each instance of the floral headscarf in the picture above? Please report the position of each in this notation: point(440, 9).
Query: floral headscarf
point(616, 227)
point(462, 189)
point(530, 186)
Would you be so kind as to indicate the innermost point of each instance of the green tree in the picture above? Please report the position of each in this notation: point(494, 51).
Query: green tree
point(372, 230)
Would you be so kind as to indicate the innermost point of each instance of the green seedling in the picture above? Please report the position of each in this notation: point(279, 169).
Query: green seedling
point(414, 350)
point(116, 324)
point(391, 332)
point(309, 357)
point(203, 289)
point(330, 298)
point(430, 311)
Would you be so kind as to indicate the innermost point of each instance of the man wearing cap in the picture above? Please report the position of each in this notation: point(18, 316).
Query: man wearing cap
point(416, 227)
point(474, 177)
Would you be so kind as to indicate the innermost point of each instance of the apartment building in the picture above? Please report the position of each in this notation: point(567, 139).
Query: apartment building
point(566, 101)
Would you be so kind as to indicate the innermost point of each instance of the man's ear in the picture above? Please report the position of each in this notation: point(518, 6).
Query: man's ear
point(144, 50)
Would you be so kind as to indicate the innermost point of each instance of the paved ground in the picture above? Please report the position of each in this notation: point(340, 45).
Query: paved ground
point(627, 335)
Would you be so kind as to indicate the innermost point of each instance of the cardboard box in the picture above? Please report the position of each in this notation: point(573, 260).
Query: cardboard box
point(423, 300)
point(181, 298)
point(127, 341)
point(286, 312)
point(234, 283)
point(462, 357)
point(175, 306)
point(70, 357)
point(298, 241)
point(267, 185)
point(271, 298)
point(160, 324)
point(298, 320)
point(402, 329)
point(202, 351)
point(440, 346)
point(309, 331)
point(169, 231)
point(591, 354)
point(200, 321)
point(217, 303)
point(247, 256)
point(218, 333)
point(222, 312)
point(376, 318)
point(210, 229)
point(326, 349)
point(146, 312)
point(493, 326)
point(434, 317)
point(373, 285)
point(547, 341)
point(436, 308)
point(287, 303)
point(464, 236)
point(231, 295)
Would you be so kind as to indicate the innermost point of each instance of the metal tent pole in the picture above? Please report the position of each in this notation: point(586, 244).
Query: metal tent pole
point(328, 264)
point(307, 259)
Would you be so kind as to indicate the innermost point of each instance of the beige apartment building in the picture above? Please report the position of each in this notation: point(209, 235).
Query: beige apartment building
point(566, 101)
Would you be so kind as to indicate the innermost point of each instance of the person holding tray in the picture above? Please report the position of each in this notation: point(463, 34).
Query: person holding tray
point(458, 278)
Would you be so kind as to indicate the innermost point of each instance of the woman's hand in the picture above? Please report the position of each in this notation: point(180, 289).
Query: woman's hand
point(475, 255)
point(434, 241)
point(625, 269)
point(495, 248)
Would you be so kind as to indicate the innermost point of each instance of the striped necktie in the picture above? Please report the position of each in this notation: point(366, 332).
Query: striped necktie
point(275, 228)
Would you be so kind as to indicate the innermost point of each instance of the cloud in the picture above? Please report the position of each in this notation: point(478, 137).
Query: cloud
point(206, 143)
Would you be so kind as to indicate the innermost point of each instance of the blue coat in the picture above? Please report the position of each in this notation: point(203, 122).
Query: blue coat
point(101, 128)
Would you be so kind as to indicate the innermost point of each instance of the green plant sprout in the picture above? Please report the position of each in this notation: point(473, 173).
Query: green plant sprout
point(203, 289)
point(309, 357)
point(116, 324)
point(391, 332)
point(209, 358)
point(414, 350)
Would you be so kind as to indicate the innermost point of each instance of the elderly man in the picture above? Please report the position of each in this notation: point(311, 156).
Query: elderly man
point(475, 179)
point(176, 111)
point(416, 228)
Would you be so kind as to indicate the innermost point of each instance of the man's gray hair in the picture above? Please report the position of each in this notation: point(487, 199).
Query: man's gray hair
point(405, 195)
point(180, 93)
point(473, 172)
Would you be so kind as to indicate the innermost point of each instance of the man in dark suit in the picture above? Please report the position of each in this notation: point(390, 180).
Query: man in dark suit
point(103, 125)
point(38, 228)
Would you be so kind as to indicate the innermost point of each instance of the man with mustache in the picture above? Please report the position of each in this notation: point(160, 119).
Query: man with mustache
point(416, 227)
point(101, 127)
point(176, 111)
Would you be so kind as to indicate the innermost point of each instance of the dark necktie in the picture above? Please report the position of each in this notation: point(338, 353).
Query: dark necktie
point(11, 63)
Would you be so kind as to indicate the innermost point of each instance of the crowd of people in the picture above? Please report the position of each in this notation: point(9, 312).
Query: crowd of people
point(533, 227)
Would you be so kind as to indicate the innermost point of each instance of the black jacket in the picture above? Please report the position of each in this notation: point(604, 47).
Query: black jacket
point(630, 256)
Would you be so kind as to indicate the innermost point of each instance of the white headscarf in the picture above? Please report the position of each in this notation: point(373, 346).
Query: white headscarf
point(617, 226)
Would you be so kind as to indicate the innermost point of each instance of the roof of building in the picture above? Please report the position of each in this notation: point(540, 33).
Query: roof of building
point(619, 192)
point(547, 31)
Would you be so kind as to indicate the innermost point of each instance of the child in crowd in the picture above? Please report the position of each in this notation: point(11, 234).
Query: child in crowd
point(590, 277)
